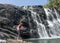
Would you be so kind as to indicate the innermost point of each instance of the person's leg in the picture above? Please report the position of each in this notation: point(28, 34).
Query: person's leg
point(18, 35)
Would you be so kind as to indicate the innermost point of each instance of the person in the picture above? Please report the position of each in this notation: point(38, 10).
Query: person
point(19, 28)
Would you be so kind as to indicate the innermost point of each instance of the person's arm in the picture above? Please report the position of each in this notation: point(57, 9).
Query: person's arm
point(22, 19)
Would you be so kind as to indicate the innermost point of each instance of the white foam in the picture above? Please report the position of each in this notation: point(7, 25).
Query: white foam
point(2, 40)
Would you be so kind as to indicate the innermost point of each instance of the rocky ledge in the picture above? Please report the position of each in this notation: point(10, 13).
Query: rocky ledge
point(10, 15)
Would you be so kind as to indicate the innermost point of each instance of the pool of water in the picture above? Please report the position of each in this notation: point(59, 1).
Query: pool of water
point(50, 40)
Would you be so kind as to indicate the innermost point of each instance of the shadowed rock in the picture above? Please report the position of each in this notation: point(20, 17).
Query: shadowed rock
point(10, 16)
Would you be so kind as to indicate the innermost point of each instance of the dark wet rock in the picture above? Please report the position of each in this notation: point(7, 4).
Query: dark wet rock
point(10, 16)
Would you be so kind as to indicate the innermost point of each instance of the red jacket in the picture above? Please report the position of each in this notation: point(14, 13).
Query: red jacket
point(19, 27)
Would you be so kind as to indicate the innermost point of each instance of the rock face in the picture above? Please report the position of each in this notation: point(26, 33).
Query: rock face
point(10, 16)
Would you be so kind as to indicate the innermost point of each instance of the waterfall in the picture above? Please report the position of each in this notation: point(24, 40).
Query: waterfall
point(53, 20)
point(43, 22)
point(40, 27)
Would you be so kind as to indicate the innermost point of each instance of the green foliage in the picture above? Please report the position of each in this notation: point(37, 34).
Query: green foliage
point(53, 3)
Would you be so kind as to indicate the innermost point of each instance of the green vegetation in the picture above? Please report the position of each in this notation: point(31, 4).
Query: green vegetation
point(53, 3)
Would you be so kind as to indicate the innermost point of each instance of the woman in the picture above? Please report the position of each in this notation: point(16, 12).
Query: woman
point(19, 27)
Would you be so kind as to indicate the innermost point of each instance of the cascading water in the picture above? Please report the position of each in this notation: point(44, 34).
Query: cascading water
point(53, 21)
point(41, 27)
